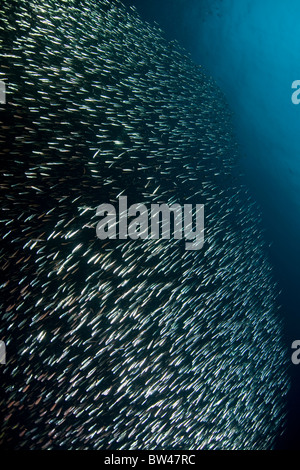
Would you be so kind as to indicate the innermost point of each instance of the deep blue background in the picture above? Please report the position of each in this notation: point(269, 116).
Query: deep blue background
point(252, 50)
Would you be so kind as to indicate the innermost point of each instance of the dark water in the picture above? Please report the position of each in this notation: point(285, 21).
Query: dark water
point(251, 49)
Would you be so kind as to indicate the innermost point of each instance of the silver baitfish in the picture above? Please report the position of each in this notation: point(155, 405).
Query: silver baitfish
point(126, 344)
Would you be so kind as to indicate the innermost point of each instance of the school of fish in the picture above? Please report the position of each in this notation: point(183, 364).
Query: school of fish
point(126, 344)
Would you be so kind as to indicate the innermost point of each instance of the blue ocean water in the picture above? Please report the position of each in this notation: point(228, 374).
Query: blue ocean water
point(250, 47)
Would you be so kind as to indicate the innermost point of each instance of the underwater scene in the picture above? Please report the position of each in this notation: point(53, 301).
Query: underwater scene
point(149, 225)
